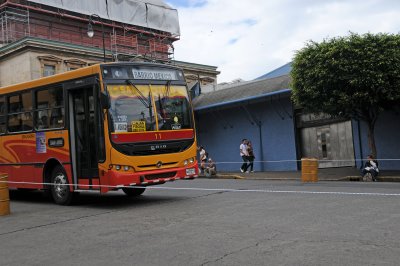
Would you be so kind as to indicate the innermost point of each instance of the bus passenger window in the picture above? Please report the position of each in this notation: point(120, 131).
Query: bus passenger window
point(42, 119)
point(14, 123)
point(2, 125)
point(26, 101)
point(57, 118)
point(50, 111)
point(20, 115)
point(27, 121)
point(14, 104)
point(2, 115)
point(2, 106)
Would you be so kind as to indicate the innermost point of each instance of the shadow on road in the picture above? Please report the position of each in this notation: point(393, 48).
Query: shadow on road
point(95, 200)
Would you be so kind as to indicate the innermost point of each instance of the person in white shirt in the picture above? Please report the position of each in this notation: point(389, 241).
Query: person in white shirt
point(245, 155)
point(203, 158)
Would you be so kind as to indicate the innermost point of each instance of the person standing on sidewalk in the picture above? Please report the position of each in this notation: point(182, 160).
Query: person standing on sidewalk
point(244, 154)
point(203, 158)
point(251, 156)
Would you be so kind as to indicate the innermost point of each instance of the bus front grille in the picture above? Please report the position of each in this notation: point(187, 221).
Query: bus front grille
point(152, 148)
point(155, 165)
point(160, 175)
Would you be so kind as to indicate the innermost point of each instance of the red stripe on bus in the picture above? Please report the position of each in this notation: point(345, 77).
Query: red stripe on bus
point(152, 136)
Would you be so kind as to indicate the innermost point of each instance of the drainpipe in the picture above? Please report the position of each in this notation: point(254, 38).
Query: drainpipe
point(359, 143)
point(259, 124)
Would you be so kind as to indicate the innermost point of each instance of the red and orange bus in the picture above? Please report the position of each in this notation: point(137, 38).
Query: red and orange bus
point(103, 127)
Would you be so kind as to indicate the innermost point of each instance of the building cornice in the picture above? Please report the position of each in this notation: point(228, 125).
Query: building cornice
point(197, 67)
point(43, 44)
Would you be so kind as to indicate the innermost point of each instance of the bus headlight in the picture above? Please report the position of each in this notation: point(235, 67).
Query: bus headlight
point(120, 167)
point(188, 161)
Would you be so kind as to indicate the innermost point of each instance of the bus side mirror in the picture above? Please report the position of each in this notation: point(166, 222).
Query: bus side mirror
point(105, 100)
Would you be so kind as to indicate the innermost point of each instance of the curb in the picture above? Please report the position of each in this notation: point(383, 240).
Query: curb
point(379, 178)
point(221, 176)
point(346, 178)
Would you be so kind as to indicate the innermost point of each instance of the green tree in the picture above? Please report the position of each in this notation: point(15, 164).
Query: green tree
point(357, 76)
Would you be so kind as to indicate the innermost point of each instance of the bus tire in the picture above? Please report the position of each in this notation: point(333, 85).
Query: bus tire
point(60, 191)
point(133, 191)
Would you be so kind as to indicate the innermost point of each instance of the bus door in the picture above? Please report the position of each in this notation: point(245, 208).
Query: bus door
point(83, 127)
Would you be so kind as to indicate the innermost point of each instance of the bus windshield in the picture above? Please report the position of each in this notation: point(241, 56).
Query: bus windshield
point(142, 108)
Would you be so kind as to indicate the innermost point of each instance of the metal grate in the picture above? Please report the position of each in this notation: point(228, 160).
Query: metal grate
point(160, 175)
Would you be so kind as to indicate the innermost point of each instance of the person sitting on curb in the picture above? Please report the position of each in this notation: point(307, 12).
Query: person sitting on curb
point(371, 167)
point(211, 168)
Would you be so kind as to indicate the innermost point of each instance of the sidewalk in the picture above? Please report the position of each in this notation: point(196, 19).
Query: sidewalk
point(328, 174)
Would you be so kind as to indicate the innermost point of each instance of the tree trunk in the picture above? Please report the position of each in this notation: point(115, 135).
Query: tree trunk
point(371, 138)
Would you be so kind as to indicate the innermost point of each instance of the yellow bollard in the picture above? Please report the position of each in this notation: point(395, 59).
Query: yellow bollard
point(4, 196)
point(309, 170)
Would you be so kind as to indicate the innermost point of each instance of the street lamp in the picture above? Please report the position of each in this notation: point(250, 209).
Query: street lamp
point(90, 31)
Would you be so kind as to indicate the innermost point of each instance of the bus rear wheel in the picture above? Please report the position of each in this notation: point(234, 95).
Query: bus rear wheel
point(59, 189)
point(133, 191)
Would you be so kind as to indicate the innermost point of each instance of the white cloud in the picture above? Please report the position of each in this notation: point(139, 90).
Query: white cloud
point(247, 39)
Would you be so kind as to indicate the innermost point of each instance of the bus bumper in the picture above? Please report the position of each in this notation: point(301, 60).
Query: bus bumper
point(120, 179)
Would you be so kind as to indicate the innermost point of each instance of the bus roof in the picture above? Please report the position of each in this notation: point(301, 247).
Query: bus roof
point(81, 72)
point(70, 75)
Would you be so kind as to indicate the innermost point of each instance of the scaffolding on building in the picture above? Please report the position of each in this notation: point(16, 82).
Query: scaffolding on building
point(14, 24)
point(125, 42)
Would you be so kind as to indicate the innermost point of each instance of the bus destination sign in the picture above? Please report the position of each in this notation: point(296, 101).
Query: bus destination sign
point(155, 74)
point(142, 73)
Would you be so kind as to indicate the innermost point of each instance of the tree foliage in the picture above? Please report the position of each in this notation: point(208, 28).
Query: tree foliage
point(356, 76)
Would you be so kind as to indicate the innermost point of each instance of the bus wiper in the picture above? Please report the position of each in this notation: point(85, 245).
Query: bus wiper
point(168, 88)
point(141, 97)
point(166, 94)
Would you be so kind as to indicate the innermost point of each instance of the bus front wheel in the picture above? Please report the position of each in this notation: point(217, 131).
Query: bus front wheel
point(59, 187)
point(133, 191)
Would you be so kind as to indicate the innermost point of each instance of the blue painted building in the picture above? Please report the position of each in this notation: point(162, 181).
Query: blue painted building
point(261, 111)
point(387, 135)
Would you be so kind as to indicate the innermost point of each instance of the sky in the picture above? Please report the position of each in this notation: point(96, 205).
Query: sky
point(246, 39)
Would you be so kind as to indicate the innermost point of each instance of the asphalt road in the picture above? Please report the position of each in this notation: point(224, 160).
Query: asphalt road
point(226, 222)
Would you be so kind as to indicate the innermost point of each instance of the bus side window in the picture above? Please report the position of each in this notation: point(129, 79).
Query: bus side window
point(50, 111)
point(2, 115)
point(2, 124)
point(2, 106)
point(14, 123)
point(14, 104)
point(26, 116)
point(57, 118)
point(20, 112)
point(27, 121)
point(42, 112)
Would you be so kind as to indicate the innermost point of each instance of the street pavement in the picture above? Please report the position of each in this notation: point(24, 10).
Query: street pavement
point(210, 222)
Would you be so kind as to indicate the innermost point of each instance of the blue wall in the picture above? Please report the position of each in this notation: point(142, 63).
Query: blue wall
point(221, 131)
point(387, 135)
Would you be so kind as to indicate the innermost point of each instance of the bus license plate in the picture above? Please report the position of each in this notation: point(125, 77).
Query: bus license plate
point(190, 171)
